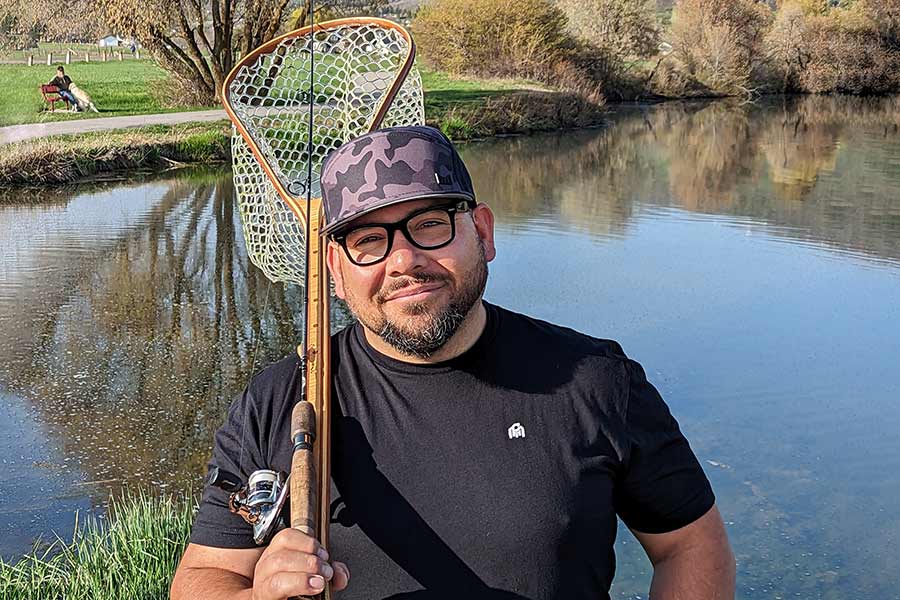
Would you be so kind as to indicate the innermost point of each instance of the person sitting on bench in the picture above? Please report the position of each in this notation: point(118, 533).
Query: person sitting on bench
point(62, 82)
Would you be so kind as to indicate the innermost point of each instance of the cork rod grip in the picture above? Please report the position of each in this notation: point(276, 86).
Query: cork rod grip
point(303, 469)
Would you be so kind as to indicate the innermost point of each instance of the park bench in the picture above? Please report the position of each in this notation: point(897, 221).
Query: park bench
point(51, 96)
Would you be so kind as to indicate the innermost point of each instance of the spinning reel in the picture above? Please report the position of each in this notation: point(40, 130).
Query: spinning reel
point(259, 503)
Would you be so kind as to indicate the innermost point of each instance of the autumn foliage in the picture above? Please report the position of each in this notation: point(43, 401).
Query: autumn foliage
point(508, 38)
point(735, 47)
point(716, 46)
point(850, 49)
point(491, 37)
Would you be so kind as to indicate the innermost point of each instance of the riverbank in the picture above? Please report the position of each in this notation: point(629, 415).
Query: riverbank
point(133, 554)
point(67, 159)
point(464, 110)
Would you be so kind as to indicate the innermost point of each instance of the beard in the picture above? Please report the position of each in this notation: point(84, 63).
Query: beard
point(423, 330)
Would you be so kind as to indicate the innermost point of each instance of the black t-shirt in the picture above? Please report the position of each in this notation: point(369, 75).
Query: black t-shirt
point(497, 474)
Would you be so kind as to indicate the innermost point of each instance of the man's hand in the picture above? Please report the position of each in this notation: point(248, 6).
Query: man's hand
point(295, 564)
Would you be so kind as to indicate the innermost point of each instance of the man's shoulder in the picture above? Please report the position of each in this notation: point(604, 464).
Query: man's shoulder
point(275, 377)
point(524, 329)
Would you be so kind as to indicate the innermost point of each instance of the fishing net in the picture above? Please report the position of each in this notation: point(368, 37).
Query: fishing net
point(362, 79)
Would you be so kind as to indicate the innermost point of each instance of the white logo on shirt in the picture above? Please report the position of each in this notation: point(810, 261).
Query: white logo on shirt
point(516, 431)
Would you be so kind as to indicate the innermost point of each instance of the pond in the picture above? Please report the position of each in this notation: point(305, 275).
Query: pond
point(747, 255)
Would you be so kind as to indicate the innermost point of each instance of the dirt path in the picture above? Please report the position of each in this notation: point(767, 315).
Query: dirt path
point(18, 133)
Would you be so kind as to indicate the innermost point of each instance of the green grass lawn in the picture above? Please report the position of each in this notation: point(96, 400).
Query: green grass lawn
point(117, 88)
point(443, 92)
point(125, 88)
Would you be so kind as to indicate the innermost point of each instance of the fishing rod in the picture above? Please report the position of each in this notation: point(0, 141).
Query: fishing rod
point(282, 134)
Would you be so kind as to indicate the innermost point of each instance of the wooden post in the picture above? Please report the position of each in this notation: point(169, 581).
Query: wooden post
point(30, 59)
point(137, 54)
point(103, 55)
point(87, 56)
point(49, 58)
point(68, 57)
point(119, 55)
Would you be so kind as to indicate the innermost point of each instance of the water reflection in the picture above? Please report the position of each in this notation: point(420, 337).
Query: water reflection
point(748, 253)
point(130, 338)
point(818, 169)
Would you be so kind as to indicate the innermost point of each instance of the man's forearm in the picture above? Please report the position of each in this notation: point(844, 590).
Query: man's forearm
point(210, 584)
point(694, 576)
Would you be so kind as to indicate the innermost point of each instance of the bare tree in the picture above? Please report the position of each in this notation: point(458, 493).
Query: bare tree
point(718, 44)
point(627, 28)
point(886, 14)
point(197, 41)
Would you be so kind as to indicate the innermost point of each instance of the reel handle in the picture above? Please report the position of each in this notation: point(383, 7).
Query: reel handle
point(224, 480)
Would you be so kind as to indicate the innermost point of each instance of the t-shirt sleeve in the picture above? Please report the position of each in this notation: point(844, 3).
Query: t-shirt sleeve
point(236, 451)
point(662, 486)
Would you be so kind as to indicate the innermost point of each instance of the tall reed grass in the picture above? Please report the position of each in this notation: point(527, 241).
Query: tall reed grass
point(131, 555)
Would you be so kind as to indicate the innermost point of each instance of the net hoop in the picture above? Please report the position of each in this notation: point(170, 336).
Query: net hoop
point(252, 57)
point(285, 126)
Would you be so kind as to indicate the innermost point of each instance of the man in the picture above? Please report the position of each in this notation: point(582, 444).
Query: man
point(477, 453)
point(62, 82)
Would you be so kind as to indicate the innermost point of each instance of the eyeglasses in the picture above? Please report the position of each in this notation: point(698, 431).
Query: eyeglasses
point(427, 229)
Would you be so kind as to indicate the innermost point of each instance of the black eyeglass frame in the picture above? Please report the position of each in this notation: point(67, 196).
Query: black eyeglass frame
point(462, 206)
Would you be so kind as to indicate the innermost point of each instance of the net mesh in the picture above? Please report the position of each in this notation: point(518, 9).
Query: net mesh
point(354, 65)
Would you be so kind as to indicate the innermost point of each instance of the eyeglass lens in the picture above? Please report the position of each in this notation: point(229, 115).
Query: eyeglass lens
point(427, 230)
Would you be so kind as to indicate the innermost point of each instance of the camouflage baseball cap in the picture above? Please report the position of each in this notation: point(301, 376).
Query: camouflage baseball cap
point(388, 166)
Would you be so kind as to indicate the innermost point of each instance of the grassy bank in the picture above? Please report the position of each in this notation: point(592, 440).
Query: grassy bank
point(132, 554)
point(475, 108)
point(64, 159)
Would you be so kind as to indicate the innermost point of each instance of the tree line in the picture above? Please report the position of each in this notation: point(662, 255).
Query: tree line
point(631, 48)
point(595, 48)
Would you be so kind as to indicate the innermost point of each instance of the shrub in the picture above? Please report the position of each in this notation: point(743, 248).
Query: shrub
point(518, 38)
point(584, 71)
point(612, 36)
point(788, 46)
point(623, 28)
point(848, 56)
point(885, 15)
point(717, 44)
point(510, 38)
point(177, 92)
point(843, 49)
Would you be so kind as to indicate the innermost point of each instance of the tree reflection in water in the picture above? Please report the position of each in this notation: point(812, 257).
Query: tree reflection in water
point(138, 352)
point(822, 169)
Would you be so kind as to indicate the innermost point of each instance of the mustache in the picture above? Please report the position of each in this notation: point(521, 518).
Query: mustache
point(406, 282)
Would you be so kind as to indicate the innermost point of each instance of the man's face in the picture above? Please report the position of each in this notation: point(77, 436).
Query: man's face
point(416, 299)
